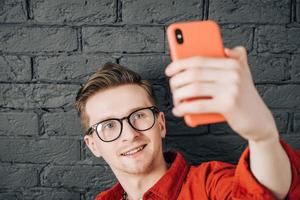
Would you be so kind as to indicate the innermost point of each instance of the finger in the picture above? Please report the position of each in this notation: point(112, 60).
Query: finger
point(188, 77)
point(196, 107)
point(235, 52)
point(200, 62)
point(204, 75)
point(239, 53)
point(194, 90)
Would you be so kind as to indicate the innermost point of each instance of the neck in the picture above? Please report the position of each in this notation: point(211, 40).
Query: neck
point(135, 185)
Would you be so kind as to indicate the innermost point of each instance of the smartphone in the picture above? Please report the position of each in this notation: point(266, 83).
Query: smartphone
point(196, 38)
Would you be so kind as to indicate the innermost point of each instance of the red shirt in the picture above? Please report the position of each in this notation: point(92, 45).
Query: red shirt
point(211, 180)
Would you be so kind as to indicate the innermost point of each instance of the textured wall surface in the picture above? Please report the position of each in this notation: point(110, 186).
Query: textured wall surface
point(49, 47)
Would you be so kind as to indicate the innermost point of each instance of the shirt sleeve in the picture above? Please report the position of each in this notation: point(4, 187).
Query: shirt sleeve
point(245, 185)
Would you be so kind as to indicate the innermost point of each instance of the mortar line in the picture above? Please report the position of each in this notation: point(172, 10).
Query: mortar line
point(205, 9)
point(28, 10)
point(118, 11)
point(293, 11)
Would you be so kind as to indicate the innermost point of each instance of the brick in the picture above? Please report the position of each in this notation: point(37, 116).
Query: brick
point(161, 12)
point(37, 95)
point(15, 68)
point(18, 175)
point(14, 39)
point(123, 39)
point(39, 151)
point(278, 39)
point(38, 193)
point(62, 123)
point(296, 122)
point(68, 68)
point(91, 194)
point(10, 195)
point(149, 67)
point(298, 11)
point(77, 176)
point(269, 67)
point(90, 159)
point(161, 96)
point(13, 123)
point(280, 96)
point(75, 11)
point(50, 193)
point(295, 70)
point(256, 11)
point(197, 149)
point(237, 36)
point(281, 120)
point(12, 11)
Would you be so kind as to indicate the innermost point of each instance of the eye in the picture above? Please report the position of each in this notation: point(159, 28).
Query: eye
point(139, 115)
point(109, 125)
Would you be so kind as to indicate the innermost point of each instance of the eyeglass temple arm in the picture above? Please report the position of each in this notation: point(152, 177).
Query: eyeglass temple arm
point(89, 131)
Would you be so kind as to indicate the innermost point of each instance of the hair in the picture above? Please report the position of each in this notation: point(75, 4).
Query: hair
point(109, 76)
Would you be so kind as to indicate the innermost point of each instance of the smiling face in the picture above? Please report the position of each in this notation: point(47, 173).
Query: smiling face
point(134, 152)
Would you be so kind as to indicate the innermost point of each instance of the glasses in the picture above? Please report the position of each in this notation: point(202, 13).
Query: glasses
point(110, 129)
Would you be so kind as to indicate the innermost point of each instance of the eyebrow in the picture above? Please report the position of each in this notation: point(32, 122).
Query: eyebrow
point(129, 112)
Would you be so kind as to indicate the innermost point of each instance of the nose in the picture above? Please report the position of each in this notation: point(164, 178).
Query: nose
point(129, 133)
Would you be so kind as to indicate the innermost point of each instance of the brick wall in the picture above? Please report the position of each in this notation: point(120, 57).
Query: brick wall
point(48, 48)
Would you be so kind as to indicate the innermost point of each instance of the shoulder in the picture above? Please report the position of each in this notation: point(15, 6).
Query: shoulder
point(203, 178)
point(112, 193)
point(212, 165)
point(211, 169)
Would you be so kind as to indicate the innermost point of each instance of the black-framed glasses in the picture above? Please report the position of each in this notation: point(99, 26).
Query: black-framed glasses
point(109, 130)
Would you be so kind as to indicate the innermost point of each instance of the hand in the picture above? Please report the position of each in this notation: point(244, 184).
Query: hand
point(228, 81)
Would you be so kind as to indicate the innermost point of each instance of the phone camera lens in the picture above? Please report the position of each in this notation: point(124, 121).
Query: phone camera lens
point(179, 36)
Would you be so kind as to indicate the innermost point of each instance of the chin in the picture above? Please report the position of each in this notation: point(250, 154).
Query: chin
point(140, 167)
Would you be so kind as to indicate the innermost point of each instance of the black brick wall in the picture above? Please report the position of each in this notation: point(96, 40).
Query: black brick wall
point(48, 48)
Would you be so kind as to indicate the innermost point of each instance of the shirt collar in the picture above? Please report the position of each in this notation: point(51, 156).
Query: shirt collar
point(167, 187)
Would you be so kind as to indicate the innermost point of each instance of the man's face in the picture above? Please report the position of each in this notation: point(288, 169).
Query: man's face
point(119, 102)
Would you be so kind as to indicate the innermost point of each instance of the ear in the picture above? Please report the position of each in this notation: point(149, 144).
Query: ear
point(162, 124)
point(90, 142)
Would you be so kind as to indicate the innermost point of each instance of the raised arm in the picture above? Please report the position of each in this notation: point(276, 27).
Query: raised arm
point(271, 166)
point(229, 82)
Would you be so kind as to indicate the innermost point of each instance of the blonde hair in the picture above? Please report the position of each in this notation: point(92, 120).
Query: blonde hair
point(109, 76)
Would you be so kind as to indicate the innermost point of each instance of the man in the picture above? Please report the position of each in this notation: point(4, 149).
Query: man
point(124, 127)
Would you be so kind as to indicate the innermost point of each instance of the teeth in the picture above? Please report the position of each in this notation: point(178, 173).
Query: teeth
point(133, 151)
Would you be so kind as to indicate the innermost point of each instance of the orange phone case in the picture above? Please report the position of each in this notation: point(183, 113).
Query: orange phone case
point(200, 38)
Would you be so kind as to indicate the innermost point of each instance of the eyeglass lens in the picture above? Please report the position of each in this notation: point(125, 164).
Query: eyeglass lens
point(140, 120)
